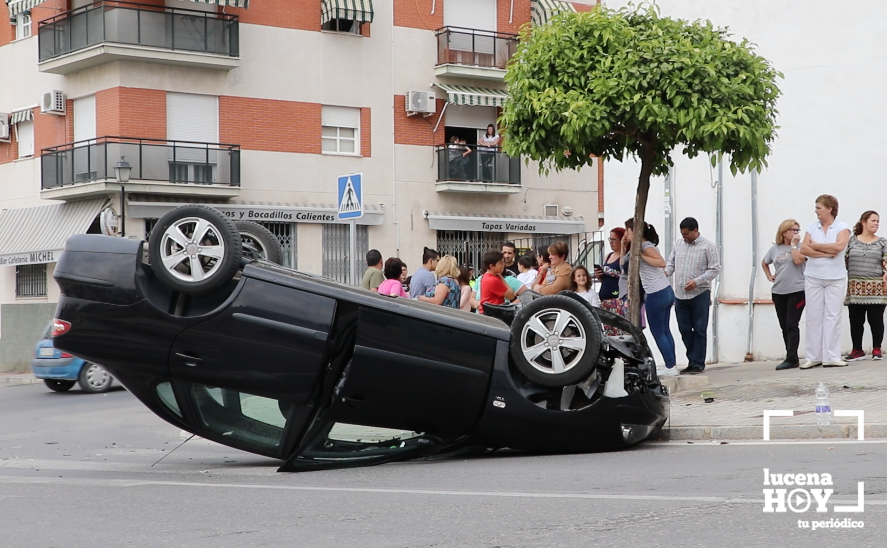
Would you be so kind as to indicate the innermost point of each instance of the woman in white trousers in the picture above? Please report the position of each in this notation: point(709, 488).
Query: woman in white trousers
point(825, 283)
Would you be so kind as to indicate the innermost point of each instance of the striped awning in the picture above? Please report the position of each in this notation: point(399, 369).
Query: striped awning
point(543, 10)
point(18, 6)
point(229, 3)
point(465, 95)
point(21, 116)
point(33, 235)
point(354, 10)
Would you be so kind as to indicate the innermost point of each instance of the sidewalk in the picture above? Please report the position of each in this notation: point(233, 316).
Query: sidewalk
point(741, 392)
point(8, 379)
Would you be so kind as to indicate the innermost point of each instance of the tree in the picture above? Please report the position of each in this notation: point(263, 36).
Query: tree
point(611, 83)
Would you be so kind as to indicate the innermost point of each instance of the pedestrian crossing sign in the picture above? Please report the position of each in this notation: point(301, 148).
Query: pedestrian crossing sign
point(350, 193)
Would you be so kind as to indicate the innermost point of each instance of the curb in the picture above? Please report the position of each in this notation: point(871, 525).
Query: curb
point(17, 380)
point(684, 383)
point(777, 432)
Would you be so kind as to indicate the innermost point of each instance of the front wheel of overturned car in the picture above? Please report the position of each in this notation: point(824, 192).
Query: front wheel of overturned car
point(261, 239)
point(57, 385)
point(555, 341)
point(195, 249)
point(94, 379)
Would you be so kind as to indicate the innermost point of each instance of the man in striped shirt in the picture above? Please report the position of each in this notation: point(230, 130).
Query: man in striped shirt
point(694, 262)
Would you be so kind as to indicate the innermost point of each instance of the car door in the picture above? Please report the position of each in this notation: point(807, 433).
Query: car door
point(247, 372)
point(414, 375)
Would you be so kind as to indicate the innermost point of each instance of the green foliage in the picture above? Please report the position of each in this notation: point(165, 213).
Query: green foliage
point(616, 82)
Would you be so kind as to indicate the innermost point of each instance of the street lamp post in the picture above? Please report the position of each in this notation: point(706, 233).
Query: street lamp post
point(122, 170)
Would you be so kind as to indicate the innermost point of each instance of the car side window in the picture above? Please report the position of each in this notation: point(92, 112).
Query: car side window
point(248, 421)
point(340, 445)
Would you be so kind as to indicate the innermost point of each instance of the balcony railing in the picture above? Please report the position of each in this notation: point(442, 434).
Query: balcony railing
point(151, 160)
point(481, 165)
point(477, 48)
point(140, 25)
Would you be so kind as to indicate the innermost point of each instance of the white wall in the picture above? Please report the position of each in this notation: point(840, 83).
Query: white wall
point(831, 141)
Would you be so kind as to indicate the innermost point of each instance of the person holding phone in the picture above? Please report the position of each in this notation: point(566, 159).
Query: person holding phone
point(788, 287)
point(609, 275)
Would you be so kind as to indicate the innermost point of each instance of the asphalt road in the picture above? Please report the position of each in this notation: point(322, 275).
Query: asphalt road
point(78, 470)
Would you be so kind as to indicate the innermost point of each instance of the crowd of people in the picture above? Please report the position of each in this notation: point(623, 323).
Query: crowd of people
point(822, 270)
point(503, 277)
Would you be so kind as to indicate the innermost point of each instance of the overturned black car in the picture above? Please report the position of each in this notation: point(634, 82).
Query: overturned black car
point(221, 342)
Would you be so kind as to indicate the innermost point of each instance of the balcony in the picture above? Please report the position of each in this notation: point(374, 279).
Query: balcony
point(103, 32)
point(487, 171)
point(177, 168)
point(478, 54)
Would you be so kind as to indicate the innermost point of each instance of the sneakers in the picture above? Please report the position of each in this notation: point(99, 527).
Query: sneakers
point(856, 355)
point(667, 372)
point(839, 363)
point(876, 354)
point(810, 364)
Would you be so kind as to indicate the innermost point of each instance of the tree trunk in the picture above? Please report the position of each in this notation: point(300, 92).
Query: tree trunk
point(648, 150)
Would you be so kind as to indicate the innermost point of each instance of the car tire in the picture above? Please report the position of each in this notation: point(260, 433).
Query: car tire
point(93, 379)
point(195, 249)
point(262, 239)
point(58, 385)
point(555, 341)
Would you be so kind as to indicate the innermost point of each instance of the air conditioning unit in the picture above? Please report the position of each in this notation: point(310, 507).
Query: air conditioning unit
point(551, 210)
point(53, 102)
point(4, 127)
point(420, 102)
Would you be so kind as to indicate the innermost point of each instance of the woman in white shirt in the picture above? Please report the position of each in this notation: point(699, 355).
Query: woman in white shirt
point(487, 146)
point(825, 283)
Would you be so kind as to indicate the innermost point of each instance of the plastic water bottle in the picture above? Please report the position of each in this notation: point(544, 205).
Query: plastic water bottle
point(823, 409)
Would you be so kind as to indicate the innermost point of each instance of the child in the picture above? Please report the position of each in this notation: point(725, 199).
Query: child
point(580, 283)
point(494, 290)
point(527, 273)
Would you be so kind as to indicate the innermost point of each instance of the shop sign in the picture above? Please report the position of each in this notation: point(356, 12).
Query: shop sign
point(31, 257)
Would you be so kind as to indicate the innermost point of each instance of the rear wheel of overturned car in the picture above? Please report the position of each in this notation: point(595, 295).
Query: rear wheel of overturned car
point(195, 249)
point(58, 385)
point(261, 239)
point(94, 379)
point(555, 341)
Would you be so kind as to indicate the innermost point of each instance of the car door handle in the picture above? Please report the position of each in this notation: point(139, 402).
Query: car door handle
point(354, 403)
point(190, 361)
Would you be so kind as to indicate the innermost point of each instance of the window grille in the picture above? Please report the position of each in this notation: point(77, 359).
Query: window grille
point(337, 250)
point(30, 280)
point(468, 247)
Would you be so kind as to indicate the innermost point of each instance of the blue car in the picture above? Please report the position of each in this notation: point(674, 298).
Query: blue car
point(61, 371)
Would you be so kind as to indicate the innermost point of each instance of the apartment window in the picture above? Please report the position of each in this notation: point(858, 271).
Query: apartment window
point(471, 14)
point(349, 26)
point(24, 134)
point(193, 121)
point(30, 280)
point(86, 159)
point(341, 130)
point(22, 26)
